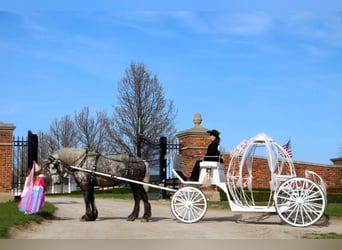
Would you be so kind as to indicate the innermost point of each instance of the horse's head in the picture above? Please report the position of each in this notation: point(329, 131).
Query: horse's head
point(55, 168)
point(59, 162)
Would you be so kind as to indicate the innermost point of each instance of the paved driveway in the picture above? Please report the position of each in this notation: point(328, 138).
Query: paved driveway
point(112, 224)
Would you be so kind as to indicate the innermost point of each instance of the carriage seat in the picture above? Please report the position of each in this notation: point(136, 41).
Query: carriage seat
point(212, 165)
point(211, 160)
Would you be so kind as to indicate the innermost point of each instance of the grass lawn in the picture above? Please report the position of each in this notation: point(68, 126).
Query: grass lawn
point(10, 216)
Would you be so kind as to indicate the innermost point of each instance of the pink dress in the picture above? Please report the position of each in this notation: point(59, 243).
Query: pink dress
point(33, 197)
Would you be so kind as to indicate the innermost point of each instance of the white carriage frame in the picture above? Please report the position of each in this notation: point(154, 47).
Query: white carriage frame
point(298, 201)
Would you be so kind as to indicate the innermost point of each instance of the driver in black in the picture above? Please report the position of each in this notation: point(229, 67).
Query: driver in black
point(212, 150)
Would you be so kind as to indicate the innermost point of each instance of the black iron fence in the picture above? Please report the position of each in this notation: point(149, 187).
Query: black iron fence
point(166, 151)
point(24, 153)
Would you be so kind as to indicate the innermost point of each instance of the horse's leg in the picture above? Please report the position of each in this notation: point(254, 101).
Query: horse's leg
point(89, 201)
point(95, 212)
point(93, 209)
point(139, 194)
point(147, 206)
point(137, 198)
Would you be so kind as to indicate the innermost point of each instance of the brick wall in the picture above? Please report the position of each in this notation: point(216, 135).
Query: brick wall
point(331, 174)
point(194, 142)
point(6, 138)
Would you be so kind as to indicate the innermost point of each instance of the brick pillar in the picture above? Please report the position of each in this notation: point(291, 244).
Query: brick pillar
point(6, 158)
point(193, 144)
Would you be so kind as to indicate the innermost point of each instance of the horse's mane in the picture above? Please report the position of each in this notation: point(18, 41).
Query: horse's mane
point(69, 155)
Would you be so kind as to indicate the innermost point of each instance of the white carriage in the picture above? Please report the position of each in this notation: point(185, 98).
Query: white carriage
point(299, 201)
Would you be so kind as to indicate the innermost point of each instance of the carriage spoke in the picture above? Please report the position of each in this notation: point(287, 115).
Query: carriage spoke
point(300, 202)
point(188, 204)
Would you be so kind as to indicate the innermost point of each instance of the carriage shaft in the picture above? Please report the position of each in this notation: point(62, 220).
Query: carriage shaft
point(122, 178)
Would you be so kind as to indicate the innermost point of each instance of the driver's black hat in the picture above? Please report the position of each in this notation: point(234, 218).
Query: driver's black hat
point(213, 132)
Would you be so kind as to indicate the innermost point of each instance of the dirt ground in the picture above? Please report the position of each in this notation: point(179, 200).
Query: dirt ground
point(112, 224)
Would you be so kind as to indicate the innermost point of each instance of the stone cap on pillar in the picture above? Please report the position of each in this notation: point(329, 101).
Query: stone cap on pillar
point(6, 127)
point(337, 161)
point(197, 129)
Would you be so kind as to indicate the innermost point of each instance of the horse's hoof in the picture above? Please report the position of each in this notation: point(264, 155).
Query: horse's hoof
point(131, 218)
point(87, 218)
point(83, 218)
point(145, 219)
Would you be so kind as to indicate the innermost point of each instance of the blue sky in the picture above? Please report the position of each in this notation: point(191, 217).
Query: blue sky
point(247, 70)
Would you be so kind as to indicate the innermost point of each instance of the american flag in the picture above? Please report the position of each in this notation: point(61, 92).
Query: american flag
point(287, 147)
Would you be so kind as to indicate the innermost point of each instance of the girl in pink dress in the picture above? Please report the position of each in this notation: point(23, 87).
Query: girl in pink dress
point(33, 196)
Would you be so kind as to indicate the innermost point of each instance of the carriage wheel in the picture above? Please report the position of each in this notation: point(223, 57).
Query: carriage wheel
point(300, 202)
point(189, 204)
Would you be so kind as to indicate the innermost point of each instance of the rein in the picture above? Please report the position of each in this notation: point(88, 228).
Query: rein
point(85, 155)
point(130, 159)
point(94, 167)
point(83, 160)
point(93, 170)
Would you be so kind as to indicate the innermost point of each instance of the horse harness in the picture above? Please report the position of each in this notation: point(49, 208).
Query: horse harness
point(93, 169)
point(130, 170)
point(85, 156)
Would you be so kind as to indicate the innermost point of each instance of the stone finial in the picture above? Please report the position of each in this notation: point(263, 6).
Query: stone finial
point(197, 129)
point(197, 119)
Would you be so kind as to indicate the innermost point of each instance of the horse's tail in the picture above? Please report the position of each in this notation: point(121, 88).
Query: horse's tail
point(147, 175)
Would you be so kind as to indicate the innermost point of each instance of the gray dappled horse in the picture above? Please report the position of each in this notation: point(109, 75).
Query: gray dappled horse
point(121, 165)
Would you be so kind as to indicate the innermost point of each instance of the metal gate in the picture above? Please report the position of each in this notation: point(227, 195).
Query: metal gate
point(25, 151)
point(166, 152)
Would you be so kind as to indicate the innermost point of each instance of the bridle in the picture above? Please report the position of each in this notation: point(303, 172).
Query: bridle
point(58, 162)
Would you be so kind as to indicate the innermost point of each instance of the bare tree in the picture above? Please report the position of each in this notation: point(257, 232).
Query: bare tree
point(45, 145)
point(142, 110)
point(63, 133)
point(91, 131)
